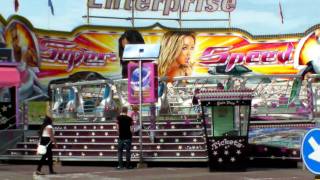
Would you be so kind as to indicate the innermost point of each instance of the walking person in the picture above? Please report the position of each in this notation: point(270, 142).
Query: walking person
point(125, 130)
point(46, 134)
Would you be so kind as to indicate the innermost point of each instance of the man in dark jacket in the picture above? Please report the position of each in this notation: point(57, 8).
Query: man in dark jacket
point(125, 129)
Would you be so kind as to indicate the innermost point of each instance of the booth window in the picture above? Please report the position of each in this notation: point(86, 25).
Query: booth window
point(223, 120)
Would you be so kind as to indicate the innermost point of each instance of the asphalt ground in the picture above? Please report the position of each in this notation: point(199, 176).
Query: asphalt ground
point(26, 172)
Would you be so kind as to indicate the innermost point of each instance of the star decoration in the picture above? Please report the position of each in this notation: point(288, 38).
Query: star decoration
point(232, 159)
point(215, 153)
point(238, 151)
point(4, 108)
point(226, 152)
point(220, 160)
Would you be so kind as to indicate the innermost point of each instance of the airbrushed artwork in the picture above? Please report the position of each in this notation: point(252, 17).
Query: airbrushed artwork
point(86, 77)
point(48, 55)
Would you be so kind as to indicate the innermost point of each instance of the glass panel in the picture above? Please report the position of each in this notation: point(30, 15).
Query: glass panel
point(244, 117)
point(223, 120)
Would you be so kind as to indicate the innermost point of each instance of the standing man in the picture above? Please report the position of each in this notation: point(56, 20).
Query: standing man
point(125, 129)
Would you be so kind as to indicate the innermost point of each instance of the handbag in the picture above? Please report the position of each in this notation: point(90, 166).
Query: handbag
point(42, 149)
point(136, 128)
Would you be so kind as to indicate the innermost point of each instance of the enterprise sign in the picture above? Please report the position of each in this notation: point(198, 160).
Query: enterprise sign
point(168, 5)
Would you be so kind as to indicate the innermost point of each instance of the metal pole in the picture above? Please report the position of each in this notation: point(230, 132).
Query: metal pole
point(88, 15)
point(204, 125)
point(180, 26)
point(140, 110)
point(311, 99)
point(132, 17)
point(229, 17)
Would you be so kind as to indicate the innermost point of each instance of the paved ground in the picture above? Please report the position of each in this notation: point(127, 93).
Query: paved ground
point(26, 172)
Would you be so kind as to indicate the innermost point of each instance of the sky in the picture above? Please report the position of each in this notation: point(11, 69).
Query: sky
point(258, 17)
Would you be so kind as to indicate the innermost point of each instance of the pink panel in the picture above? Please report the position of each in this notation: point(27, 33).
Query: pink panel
point(149, 83)
point(9, 76)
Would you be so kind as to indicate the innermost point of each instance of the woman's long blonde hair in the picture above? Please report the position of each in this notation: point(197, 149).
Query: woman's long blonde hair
point(171, 47)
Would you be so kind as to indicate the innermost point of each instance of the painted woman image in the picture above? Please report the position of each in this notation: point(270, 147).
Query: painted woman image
point(175, 55)
point(20, 39)
point(2, 42)
point(128, 37)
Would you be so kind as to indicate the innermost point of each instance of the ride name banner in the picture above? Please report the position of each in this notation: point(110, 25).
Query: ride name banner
point(149, 83)
point(166, 7)
point(227, 153)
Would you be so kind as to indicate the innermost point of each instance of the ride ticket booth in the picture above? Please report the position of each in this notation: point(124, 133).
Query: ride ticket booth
point(228, 112)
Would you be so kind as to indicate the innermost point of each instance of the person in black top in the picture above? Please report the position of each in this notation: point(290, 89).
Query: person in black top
point(125, 129)
point(46, 134)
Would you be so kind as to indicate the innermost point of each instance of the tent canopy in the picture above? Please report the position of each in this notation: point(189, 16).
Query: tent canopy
point(9, 76)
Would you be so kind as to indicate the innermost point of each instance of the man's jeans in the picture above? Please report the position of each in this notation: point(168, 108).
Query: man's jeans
point(124, 144)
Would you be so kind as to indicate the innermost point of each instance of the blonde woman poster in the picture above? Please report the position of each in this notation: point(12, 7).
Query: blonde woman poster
point(175, 55)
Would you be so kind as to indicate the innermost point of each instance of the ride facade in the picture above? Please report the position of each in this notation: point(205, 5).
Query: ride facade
point(80, 76)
